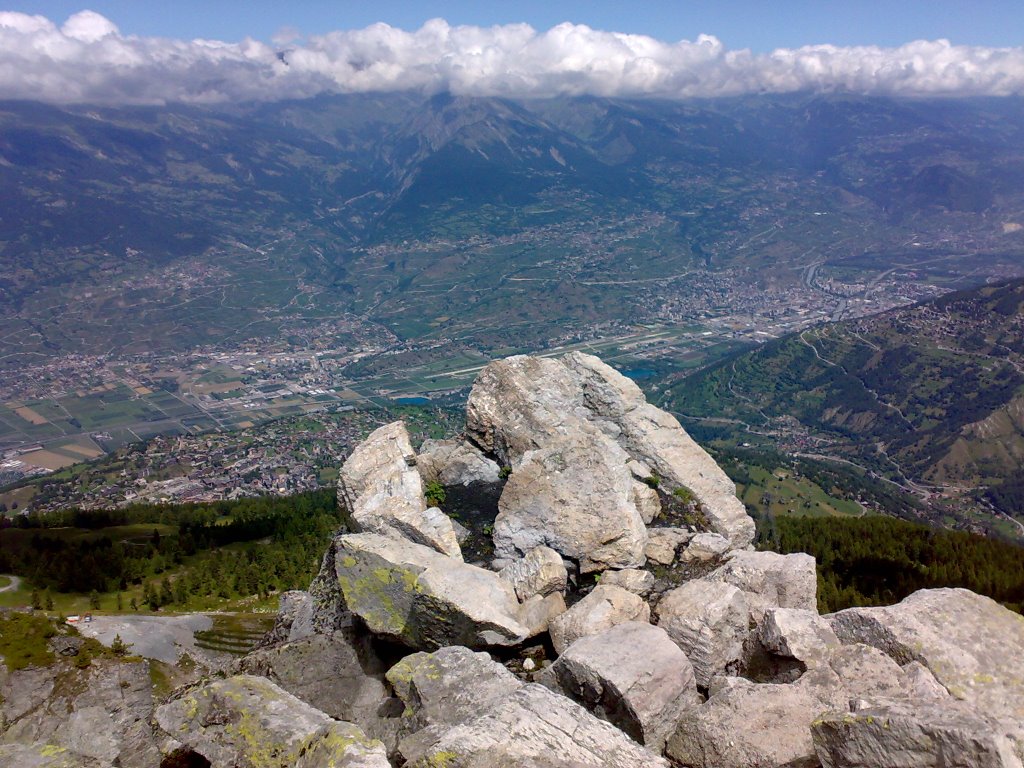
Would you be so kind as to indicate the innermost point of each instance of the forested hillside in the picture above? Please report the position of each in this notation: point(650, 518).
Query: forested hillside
point(930, 397)
point(183, 556)
point(879, 560)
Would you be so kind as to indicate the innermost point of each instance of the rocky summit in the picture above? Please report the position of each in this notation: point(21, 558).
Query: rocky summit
point(613, 613)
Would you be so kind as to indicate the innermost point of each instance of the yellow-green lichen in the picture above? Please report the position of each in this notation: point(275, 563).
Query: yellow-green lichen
point(51, 750)
point(439, 760)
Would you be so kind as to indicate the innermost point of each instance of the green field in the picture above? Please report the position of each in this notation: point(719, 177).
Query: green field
point(781, 493)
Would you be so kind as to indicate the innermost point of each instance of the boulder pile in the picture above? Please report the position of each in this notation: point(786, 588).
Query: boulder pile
point(624, 618)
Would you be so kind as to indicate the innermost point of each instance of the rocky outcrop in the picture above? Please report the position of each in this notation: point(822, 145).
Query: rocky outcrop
point(40, 755)
point(971, 644)
point(574, 496)
point(664, 543)
point(634, 580)
point(100, 713)
point(338, 673)
point(656, 438)
point(632, 675)
point(249, 722)
point(602, 609)
point(532, 726)
point(904, 735)
point(462, 708)
point(450, 686)
point(541, 572)
point(705, 547)
point(770, 580)
point(646, 501)
point(455, 462)
point(796, 633)
point(709, 621)
point(524, 405)
point(414, 595)
point(748, 724)
point(382, 492)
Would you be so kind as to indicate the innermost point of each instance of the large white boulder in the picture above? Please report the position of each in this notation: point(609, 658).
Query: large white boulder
point(771, 580)
point(382, 492)
point(600, 610)
point(574, 496)
point(709, 621)
point(634, 676)
point(524, 404)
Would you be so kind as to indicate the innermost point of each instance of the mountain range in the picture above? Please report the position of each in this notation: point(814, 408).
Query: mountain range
point(483, 221)
point(930, 396)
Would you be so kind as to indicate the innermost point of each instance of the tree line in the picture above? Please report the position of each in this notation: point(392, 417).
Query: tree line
point(276, 543)
point(878, 560)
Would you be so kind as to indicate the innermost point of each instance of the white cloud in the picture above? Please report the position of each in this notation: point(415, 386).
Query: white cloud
point(87, 59)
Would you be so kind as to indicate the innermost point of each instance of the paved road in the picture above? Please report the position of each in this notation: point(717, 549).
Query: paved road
point(15, 582)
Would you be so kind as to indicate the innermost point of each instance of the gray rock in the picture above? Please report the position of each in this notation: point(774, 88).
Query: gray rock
point(710, 622)
point(537, 613)
point(455, 462)
point(635, 580)
point(523, 404)
point(416, 596)
point(646, 501)
point(796, 633)
point(915, 735)
point(289, 605)
point(920, 683)
point(600, 610)
point(66, 645)
point(449, 686)
point(101, 712)
point(575, 496)
point(664, 543)
point(540, 572)
point(533, 727)
point(771, 580)
point(250, 722)
point(867, 673)
point(381, 490)
point(971, 644)
point(656, 438)
point(325, 610)
point(632, 675)
point(705, 547)
point(337, 673)
point(40, 755)
point(747, 724)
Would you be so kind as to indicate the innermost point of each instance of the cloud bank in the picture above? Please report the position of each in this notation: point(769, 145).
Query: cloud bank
point(88, 60)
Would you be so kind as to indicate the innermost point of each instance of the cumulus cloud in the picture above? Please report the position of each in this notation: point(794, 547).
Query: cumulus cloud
point(88, 60)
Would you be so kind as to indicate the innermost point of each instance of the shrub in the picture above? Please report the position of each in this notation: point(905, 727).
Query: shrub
point(435, 494)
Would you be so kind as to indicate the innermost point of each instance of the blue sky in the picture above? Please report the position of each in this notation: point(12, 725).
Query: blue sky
point(759, 26)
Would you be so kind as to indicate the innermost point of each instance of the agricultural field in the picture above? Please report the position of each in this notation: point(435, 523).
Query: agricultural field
point(781, 493)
